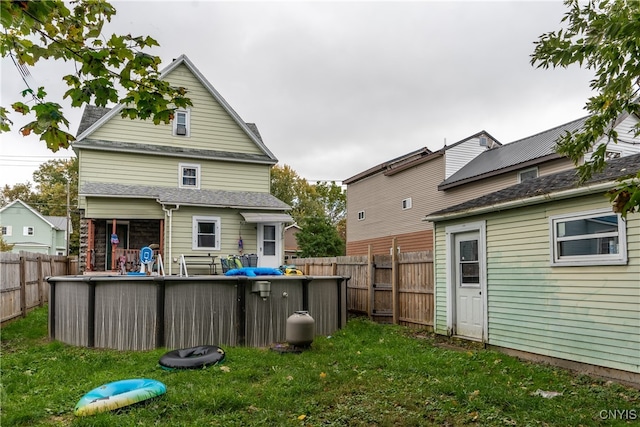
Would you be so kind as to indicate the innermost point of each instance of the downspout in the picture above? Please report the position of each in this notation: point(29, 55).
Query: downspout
point(168, 213)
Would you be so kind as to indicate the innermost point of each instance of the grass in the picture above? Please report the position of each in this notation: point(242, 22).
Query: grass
point(365, 375)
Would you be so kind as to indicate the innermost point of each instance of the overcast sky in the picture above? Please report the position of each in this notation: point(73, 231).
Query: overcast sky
point(338, 87)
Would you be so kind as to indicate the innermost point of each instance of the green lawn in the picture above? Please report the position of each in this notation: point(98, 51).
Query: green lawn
point(365, 375)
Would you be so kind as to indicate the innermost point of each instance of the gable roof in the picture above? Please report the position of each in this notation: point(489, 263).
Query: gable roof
point(186, 196)
point(56, 222)
point(524, 152)
point(99, 116)
point(411, 159)
point(561, 185)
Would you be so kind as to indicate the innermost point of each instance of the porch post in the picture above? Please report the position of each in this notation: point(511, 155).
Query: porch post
point(113, 247)
point(90, 244)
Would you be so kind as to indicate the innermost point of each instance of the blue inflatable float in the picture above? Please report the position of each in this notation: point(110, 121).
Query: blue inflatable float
point(254, 271)
point(118, 394)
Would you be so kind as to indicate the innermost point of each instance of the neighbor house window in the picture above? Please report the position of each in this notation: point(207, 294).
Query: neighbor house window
point(6, 230)
point(28, 231)
point(610, 155)
point(588, 238)
point(189, 175)
point(406, 203)
point(181, 123)
point(527, 174)
point(361, 216)
point(206, 232)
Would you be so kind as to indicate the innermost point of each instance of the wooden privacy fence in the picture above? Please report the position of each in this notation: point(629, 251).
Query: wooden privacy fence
point(22, 284)
point(396, 288)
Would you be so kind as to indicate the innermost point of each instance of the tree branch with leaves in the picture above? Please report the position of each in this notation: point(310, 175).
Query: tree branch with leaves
point(113, 69)
point(602, 36)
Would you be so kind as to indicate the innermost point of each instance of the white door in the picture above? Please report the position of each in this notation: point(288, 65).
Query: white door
point(469, 314)
point(269, 245)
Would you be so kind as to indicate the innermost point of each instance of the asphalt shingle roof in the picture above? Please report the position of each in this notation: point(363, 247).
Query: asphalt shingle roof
point(186, 196)
point(515, 153)
point(617, 168)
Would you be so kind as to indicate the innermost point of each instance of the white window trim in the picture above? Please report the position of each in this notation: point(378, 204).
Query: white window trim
point(7, 230)
point(535, 168)
point(407, 203)
point(584, 260)
point(28, 230)
point(195, 166)
point(187, 112)
point(361, 217)
point(194, 232)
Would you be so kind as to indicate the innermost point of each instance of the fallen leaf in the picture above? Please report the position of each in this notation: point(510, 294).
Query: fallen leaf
point(323, 375)
point(225, 369)
point(302, 417)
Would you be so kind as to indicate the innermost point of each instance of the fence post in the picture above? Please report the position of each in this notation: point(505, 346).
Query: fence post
point(394, 281)
point(371, 274)
point(23, 285)
point(40, 282)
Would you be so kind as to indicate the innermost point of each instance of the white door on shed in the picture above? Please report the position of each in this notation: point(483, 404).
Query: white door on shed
point(469, 316)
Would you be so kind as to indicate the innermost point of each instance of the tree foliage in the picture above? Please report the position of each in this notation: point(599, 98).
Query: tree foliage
point(108, 69)
point(318, 237)
point(602, 36)
point(319, 209)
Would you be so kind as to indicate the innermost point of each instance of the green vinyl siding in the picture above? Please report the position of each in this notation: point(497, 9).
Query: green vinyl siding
point(587, 314)
point(140, 169)
point(231, 228)
point(212, 128)
point(112, 208)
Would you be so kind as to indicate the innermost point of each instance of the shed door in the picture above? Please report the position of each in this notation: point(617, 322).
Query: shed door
point(468, 285)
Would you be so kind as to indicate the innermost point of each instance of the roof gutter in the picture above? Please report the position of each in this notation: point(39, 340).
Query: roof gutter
point(560, 195)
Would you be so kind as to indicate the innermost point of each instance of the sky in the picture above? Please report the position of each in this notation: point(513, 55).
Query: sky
point(338, 87)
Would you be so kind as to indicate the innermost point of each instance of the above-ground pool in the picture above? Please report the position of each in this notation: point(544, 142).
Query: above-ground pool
point(147, 312)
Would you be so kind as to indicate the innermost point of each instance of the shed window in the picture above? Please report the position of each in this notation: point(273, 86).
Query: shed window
point(28, 231)
point(206, 232)
point(181, 123)
point(6, 230)
point(588, 238)
point(361, 216)
point(189, 175)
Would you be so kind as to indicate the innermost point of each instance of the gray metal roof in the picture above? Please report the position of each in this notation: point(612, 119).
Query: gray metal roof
point(186, 196)
point(59, 222)
point(547, 184)
point(171, 150)
point(538, 146)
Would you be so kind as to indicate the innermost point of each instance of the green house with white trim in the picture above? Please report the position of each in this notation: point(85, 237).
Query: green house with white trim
point(545, 270)
point(28, 230)
point(197, 188)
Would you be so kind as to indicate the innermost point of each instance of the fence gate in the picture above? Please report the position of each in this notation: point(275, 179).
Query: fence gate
point(381, 294)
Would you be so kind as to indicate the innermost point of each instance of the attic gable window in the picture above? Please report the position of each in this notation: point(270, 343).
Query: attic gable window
point(28, 231)
point(6, 230)
point(189, 175)
point(181, 123)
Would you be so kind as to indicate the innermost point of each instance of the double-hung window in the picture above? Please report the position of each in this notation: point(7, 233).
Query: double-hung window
point(189, 175)
point(206, 233)
point(588, 238)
